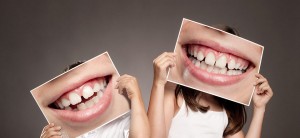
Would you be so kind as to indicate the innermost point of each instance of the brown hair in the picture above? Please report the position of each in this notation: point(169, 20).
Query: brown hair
point(73, 65)
point(236, 112)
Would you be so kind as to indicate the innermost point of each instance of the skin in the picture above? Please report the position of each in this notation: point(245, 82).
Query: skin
point(240, 91)
point(47, 92)
point(127, 85)
point(163, 107)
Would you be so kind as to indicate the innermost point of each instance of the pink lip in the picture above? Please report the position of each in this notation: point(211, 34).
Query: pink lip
point(212, 78)
point(90, 113)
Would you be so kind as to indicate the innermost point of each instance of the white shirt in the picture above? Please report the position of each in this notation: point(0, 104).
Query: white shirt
point(116, 128)
point(190, 124)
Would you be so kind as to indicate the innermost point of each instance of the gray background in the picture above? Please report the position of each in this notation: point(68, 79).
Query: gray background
point(39, 38)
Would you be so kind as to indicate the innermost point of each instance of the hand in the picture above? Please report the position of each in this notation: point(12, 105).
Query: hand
point(51, 131)
point(129, 85)
point(262, 93)
point(161, 65)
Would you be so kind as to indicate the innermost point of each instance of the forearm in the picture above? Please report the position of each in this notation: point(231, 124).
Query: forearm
point(139, 124)
point(156, 111)
point(256, 123)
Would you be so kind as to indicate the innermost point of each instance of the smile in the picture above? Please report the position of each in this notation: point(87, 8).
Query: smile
point(85, 102)
point(214, 66)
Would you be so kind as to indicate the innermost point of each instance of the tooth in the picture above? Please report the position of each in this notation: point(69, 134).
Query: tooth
point(234, 72)
point(246, 66)
point(241, 67)
point(203, 65)
point(87, 92)
point(231, 64)
point(210, 59)
point(189, 50)
point(195, 51)
point(65, 102)
point(99, 94)
point(221, 62)
point(81, 106)
point(192, 50)
point(194, 61)
point(229, 72)
point(216, 70)
point(200, 55)
point(197, 64)
point(223, 71)
point(237, 65)
point(89, 103)
point(239, 72)
point(74, 98)
point(97, 87)
point(209, 68)
point(68, 108)
point(60, 105)
point(104, 83)
point(95, 99)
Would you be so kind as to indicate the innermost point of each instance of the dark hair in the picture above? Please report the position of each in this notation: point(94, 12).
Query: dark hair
point(236, 112)
point(73, 65)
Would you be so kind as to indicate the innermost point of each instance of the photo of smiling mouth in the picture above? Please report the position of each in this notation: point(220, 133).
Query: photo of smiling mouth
point(85, 102)
point(213, 66)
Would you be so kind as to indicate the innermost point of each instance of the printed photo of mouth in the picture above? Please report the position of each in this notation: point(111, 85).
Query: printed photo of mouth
point(85, 102)
point(214, 61)
point(83, 98)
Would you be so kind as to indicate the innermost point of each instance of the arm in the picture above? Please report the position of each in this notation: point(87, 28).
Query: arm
point(51, 131)
point(139, 125)
point(159, 116)
point(261, 97)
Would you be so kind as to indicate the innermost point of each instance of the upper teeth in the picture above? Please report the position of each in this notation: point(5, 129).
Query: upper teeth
point(210, 59)
point(211, 63)
point(65, 102)
point(221, 62)
point(73, 98)
point(87, 92)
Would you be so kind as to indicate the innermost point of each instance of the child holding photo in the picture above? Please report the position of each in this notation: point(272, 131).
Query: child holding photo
point(130, 124)
point(177, 111)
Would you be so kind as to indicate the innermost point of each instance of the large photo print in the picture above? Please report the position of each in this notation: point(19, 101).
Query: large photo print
point(83, 97)
point(216, 62)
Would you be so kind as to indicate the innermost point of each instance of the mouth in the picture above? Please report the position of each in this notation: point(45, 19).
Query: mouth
point(215, 65)
point(85, 102)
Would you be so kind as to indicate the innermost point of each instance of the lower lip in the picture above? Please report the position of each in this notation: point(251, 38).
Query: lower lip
point(90, 113)
point(211, 78)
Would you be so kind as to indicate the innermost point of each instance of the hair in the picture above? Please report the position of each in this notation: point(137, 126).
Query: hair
point(73, 65)
point(237, 115)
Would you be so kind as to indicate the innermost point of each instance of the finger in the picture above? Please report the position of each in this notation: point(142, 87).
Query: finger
point(260, 81)
point(48, 126)
point(259, 75)
point(56, 128)
point(263, 85)
point(53, 133)
point(56, 137)
point(165, 55)
point(170, 62)
point(123, 76)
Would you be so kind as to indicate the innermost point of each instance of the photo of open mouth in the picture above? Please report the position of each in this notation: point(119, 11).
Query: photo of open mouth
point(85, 101)
point(215, 65)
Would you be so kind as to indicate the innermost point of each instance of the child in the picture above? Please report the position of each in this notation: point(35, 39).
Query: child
point(136, 120)
point(178, 111)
